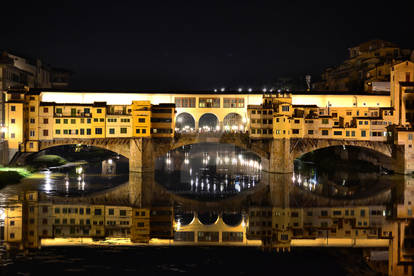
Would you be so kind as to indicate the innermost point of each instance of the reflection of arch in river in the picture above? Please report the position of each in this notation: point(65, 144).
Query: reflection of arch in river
point(276, 191)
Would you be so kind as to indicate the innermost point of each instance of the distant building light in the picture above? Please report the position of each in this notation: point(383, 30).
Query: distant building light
point(222, 89)
point(250, 90)
point(240, 90)
point(215, 90)
point(264, 89)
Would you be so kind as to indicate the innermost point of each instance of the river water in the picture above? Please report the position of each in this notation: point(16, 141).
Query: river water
point(207, 181)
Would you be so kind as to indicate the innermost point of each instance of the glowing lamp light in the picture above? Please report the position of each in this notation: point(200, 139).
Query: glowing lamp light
point(240, 90)
point(223, 89)
point(2, 214)
point(250, 90)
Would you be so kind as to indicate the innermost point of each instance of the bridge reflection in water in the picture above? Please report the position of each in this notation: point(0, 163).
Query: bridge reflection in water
point(277, 214)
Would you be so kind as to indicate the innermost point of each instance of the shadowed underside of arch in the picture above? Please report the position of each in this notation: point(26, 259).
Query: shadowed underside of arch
point(118, 145)
point(299, 147)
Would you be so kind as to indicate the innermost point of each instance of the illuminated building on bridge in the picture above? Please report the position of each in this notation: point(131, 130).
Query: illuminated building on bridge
point(35, 116)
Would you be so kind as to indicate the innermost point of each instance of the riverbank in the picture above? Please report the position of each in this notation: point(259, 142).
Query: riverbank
point(12, 175)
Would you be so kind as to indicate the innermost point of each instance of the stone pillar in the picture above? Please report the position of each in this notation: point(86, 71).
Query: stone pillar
point(399, 160)
point(281, 159)
point(141, 158)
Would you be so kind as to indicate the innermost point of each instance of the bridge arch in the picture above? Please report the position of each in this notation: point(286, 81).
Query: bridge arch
point(185, 121)
point(208, 122)
point(234, 121)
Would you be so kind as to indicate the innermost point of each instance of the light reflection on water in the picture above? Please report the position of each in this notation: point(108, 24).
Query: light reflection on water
point(208, 170)
point(344, 183)
point(70, 181)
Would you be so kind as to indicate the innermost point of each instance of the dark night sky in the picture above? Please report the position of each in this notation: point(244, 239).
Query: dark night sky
point(204, 45)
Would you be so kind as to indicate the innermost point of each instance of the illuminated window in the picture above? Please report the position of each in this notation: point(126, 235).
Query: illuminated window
point(13, 108)
point(65, 121)
point(209, 103)
point(57, 131)
point(73, 121)
point(88, 131)
point(363, 133)
point(285, 108)
point(57, 121)
point(111, 131)
point(32, 133)
point(59, 110)
point(185, 102)
point(233, 103)
point(123, 130)
point(98, 130)
point(99, 110)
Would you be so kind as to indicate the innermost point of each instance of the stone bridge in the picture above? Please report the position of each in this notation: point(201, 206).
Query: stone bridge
point(277, 154)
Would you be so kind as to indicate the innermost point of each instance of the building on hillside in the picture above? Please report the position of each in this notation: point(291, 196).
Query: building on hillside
point(17, 71)
point(368, 68)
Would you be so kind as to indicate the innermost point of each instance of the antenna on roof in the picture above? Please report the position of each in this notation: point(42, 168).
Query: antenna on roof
point(308, 82)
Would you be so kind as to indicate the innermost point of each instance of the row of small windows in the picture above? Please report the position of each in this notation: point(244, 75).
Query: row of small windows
point(122, 120)
point(81, 131)
point(323, 213)
point(264, 112)
point(190, 102)
point(74, 111)
point(261, 131)
point(261, 121)
point(123, 130)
